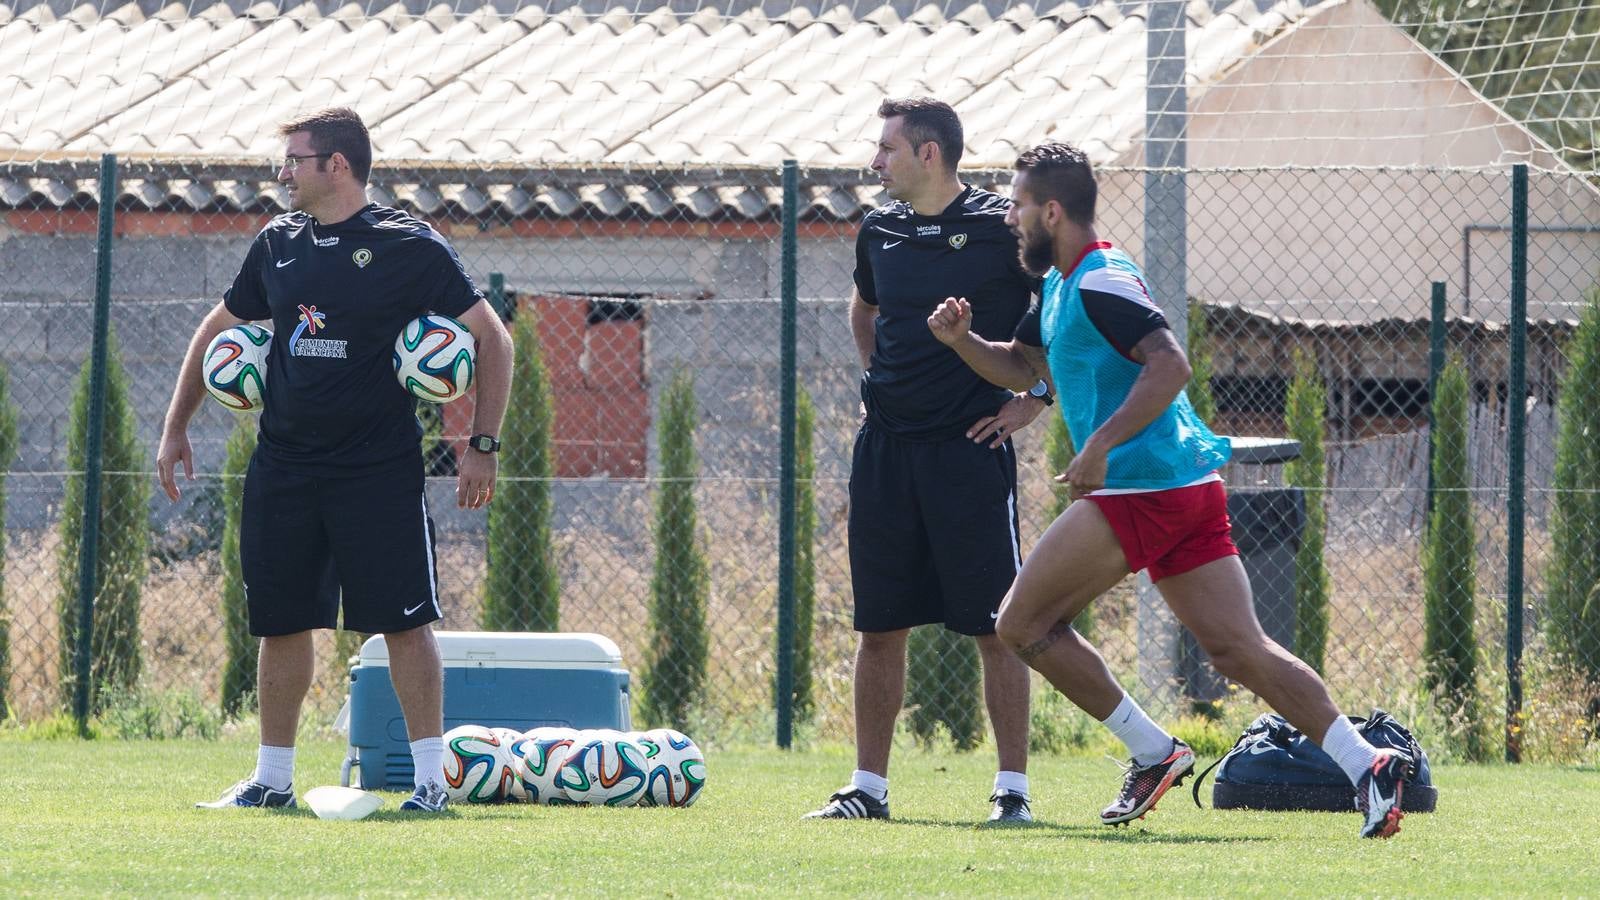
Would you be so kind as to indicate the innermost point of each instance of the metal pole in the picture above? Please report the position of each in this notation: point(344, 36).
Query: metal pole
point(786, 456)
point(1166, 269)
point(89, 540)
point(1516, 439)
point(497, 293)
point(1436, 327)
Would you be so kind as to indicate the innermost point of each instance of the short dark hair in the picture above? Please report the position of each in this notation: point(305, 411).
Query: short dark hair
point(927, 119)
point(1061, 172)
point(337, 129)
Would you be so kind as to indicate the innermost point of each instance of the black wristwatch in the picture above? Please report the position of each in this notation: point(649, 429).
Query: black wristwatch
point(1041, 391)
point(484, 443)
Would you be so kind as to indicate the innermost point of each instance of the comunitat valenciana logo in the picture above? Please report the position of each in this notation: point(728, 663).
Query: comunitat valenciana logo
point(302, 342)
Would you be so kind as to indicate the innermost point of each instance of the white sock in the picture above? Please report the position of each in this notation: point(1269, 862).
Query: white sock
point(274, 767)
point(1147, 742)
point(1349, 749)
point(427, 761)
point(1006, 782)
point(873, 785)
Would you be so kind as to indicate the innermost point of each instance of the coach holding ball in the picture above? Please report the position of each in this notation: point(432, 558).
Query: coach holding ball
point(334, 510)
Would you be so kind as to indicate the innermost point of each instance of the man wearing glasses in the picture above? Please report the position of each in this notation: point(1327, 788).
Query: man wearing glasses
point(334, 512)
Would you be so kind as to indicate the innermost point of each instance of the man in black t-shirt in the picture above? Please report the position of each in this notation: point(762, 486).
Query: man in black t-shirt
point(933, 465)
point(334, 513)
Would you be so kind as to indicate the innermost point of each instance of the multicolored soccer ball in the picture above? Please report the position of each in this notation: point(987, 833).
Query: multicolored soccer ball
point(235, 367)
point(538, 757)
point(676, 769)
point(477, 766)
point(603, 767)
point(434, 357)
point(510, 739)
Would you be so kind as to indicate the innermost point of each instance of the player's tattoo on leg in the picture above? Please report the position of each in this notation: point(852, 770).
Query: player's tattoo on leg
point(1056, 633)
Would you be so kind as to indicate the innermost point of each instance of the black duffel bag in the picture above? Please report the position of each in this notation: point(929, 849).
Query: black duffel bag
point(1273, 766)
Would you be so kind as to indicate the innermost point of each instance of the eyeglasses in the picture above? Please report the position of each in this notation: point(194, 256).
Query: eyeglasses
point(292, 161)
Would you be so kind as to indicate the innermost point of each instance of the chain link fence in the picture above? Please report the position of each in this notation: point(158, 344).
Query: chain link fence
point(653, 273)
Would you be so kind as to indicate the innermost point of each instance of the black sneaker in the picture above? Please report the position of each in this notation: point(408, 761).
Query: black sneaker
point(250, 793)
point(852, 803)
point(1378, 794)
point(1009, 809)
point(428, 797)
point(1142, 786)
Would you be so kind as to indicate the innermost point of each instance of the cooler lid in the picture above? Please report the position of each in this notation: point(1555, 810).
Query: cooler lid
point(511, 649)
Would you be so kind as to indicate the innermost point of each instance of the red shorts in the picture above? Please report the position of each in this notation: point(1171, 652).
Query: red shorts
point(1170, 532)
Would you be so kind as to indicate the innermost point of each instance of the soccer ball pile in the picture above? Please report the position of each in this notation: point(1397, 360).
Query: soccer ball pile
point(554, 766)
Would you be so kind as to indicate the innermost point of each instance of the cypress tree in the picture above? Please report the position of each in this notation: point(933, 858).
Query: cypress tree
point(8, 453)
point(1449, 559)
point(805, 552)
point(1058, 454)
point(1305, 412)
point(944, 685)
point(675, 670)
point(241, 650)
point(124, 539)
point(522, 588)
point(1573, 622)
point(1200, 365)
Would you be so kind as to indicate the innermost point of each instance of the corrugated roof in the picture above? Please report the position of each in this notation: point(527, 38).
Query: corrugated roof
point(563, 105)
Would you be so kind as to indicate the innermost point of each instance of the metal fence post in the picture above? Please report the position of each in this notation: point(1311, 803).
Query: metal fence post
point(89, 543)
point(1516, 449)
point(786, 461)
point(497, 293)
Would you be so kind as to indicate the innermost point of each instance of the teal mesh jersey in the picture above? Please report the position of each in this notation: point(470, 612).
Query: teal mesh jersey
point(1093, 379)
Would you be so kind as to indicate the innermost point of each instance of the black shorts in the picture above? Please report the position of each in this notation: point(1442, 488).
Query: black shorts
point(305, 539)
point(933, 532)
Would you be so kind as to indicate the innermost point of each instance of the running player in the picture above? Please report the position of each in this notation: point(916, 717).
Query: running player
point(1147, 496)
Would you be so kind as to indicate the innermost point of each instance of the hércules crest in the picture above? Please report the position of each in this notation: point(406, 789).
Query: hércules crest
point(362, 257)
point(958, 241)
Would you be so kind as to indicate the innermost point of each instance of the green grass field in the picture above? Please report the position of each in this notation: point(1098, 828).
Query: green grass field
point(116, 817)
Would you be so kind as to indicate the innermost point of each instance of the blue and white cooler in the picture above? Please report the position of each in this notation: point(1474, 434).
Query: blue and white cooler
point(519, 680)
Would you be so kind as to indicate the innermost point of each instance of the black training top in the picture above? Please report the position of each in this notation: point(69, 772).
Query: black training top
point(338, 296)
point(907, 264)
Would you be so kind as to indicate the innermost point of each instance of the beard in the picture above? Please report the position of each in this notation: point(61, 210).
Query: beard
point(1035, 252)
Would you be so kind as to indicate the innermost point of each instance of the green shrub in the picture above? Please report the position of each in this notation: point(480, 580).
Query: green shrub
point(174, 714)
point(8, 453)
point(123, 543)
point(675, 670)
point(1449, 560)
point(1200, 365)
point(805, 553)
point(522, 585)
point(1305, 411)
point(944, 686)
point(1056, 725)
point(1573, 603)
point(241, 651)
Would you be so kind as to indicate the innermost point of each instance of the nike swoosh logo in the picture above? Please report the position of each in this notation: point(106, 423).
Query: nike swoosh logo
point(994, 615)
point(285, 262)
point(888, 244)
point(415, 608)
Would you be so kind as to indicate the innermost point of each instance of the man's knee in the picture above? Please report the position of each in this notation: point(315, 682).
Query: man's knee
point(884, 641)
point(1236, 658)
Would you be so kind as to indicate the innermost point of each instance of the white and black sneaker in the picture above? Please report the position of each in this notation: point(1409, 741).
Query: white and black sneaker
point(248, 793)
point(1378, 795)
point(429, 797)
point(852, 803)
point(1009, 809)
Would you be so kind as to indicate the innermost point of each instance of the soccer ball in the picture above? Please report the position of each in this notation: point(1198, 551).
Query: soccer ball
point(676, 768)
point(235, 367)
point(510, 739)
point(603, 767)
point(538, 758)
point(477, 766)
point(434, 357)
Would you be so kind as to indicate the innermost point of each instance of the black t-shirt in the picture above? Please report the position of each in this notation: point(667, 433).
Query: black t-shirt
point(907, 264)
point(338, 296)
